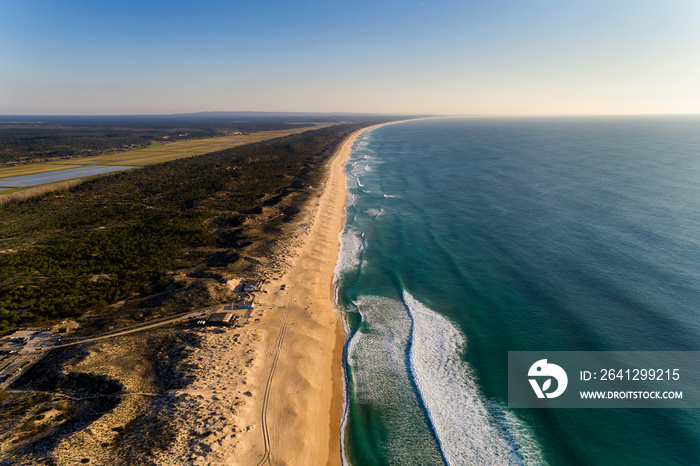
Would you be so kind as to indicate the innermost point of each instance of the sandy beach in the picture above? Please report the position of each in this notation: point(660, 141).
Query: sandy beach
point(271, 391)
point(301, 415)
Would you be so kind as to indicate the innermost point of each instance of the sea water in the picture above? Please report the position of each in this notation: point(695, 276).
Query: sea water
point(468, 238)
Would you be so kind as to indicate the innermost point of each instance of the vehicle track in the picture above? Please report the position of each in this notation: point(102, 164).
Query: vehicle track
point(266, 458)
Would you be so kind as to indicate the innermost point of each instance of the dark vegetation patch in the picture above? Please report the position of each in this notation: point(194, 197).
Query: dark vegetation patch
point(52, 400)
point(80, 399)
point(274, 200)
point(252, 211)
point(135, 226)
point(68, 137)
point(205, 274)
point(223, 259)
point(291, 210)
point(236, 239)
point(230, 220)
point(168, 355)
point(47, 375)
point(153, 431)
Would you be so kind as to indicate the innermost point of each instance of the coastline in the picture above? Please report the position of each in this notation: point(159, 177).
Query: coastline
point(273, 391)
point(270, 391)
point(306, 386)
point(300, 413)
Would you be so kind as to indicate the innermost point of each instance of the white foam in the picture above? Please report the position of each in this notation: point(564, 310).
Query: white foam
point(518, 433)
point(351, 181)
point(375, 212)
point(349, 255)
point(467, 431)
point(351, 241)
point(376, 359)
point(358, 168)
point(470, 430)
point(351, 198)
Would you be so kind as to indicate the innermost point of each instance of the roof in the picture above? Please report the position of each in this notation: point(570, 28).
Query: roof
point(220, 317)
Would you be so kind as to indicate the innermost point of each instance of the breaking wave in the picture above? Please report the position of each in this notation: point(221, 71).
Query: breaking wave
point(405, 363)
point(466, 428)
point(376, 360)
point(349, 256)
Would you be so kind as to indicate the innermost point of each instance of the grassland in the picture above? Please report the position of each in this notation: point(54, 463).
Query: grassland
point(154, 153)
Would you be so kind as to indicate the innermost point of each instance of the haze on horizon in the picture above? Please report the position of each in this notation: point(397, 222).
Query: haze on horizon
point(423, 56)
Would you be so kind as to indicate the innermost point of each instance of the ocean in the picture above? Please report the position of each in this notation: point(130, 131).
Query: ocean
point(467, 238)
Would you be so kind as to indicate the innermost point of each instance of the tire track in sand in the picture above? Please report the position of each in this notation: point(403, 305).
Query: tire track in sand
point(266, 458)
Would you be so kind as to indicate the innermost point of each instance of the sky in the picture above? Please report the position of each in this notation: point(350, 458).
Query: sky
point(520, 57)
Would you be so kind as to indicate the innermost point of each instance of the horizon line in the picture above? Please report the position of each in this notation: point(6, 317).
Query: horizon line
point(378, 114)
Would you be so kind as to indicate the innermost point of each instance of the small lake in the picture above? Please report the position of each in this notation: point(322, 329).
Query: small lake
point(59, 175)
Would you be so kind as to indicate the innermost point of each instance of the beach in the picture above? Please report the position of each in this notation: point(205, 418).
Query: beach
point(303, 404)
point(271, 391)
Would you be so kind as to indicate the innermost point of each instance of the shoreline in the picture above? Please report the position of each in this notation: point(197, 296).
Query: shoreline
point(300, 414)
point(341, 379)
point(273, 391)
point(340, 376)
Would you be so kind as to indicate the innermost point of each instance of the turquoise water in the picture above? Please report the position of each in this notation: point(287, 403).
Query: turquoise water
point(469, 238)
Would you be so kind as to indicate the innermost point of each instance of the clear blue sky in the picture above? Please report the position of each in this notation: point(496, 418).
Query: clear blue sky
point(423, 56)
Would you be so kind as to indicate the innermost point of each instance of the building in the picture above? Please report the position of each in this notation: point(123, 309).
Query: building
point(252, 285)
point(245, 303)
point(225, 319)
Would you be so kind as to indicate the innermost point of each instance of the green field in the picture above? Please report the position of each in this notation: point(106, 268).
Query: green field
point(155, 153)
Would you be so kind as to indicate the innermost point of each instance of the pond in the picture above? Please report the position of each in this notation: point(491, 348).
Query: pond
point(59, 175)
